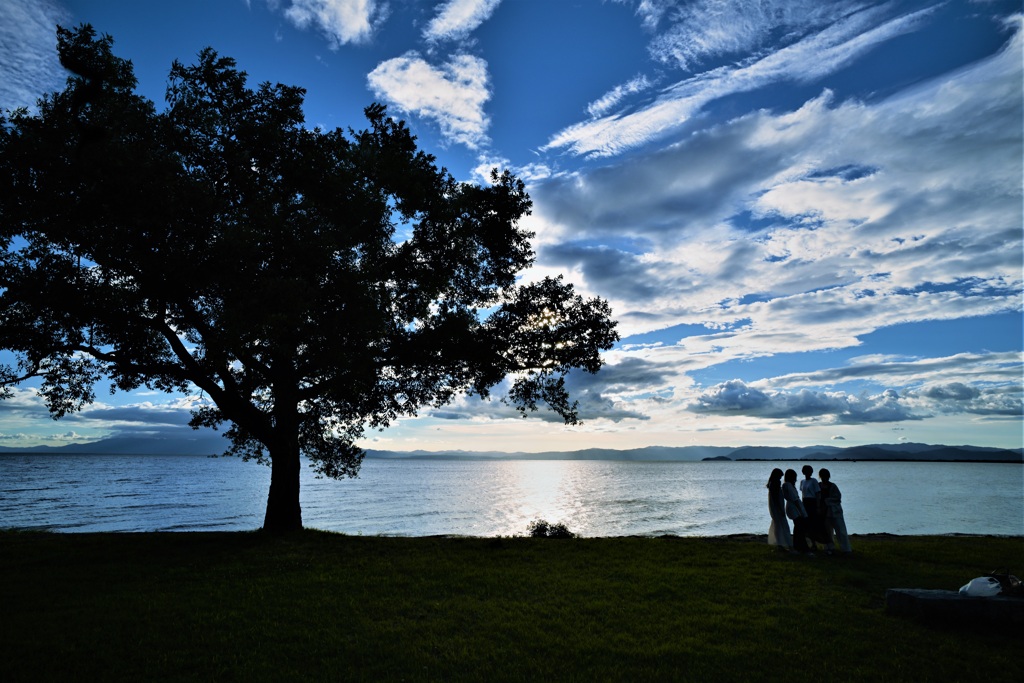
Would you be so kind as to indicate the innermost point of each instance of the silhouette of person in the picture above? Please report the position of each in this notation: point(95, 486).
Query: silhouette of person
point(809, 491)
point(832, 502)
point(795, 511)
point(778, 531)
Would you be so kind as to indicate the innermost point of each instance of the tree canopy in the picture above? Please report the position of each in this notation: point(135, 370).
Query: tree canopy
point(310, 283)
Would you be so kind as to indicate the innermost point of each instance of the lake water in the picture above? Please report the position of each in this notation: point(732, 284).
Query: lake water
point(80, 493)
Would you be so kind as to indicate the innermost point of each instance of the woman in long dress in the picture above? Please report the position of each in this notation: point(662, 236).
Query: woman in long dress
point(778, 531)
point(796, 511)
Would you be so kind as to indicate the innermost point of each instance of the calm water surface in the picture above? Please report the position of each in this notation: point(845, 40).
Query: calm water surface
point(417, 498)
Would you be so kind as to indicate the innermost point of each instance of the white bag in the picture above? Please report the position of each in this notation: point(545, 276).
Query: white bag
point(981, 587)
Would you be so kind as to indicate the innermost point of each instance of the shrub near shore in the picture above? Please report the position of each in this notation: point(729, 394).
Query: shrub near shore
point(321, 606)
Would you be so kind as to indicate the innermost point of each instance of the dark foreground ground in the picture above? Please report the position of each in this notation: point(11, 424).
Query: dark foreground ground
point(325, 607)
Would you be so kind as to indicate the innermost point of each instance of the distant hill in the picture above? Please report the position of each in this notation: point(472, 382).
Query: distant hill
point(924, 452)
point(921, 452)
point(784, 452)
point(200, 444)
point(214, 444)
point(901, 452)
point(650, 453)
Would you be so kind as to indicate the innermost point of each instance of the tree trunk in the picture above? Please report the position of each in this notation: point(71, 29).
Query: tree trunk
point(283, 511)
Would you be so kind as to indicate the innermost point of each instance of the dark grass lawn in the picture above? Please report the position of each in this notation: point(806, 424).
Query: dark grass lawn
point(320, 606)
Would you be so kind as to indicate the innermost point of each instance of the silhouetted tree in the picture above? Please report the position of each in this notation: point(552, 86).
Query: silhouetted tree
point(312, 284)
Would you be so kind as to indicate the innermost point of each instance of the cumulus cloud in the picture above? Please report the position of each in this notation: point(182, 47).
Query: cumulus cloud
point(735, 397)
point(138, 414)
point(964, 384)
point(28, 51)
point(452, 94)
point(22, 401)
point(957, 391)
point(341, 21)
point(956, 397)
point(456, 19)
point(16, 438)
point(27, 421)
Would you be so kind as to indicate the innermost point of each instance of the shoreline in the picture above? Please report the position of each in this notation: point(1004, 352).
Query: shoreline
point(736, 537)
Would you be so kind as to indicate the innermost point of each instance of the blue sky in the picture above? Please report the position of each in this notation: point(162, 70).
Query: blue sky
point(806, 215)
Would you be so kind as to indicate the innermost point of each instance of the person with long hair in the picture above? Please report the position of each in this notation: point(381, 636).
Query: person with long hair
point(796, 511)
point(778, 531)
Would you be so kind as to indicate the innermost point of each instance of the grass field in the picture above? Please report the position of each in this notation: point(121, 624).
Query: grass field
point(319, 606)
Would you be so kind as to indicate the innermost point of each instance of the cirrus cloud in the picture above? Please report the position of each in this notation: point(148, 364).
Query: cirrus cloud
point(456, 19)
point(28, 56)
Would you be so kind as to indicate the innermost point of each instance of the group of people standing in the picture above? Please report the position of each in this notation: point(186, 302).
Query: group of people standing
point(816, 511)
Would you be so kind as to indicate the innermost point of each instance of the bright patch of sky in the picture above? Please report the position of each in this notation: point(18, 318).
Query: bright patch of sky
point(806, 215)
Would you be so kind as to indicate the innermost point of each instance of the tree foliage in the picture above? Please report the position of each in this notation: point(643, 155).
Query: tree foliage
point(311, 284)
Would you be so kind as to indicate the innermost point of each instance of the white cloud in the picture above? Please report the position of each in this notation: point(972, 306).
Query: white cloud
point(949, 378)
point(456, 19)
point(803, 61)
point(736, 397)
point(22, 402)
point(26, 421)
point(832, 407)
point(613, 97)
point(17, 438)
point(453, 94)
point(818, 225)
point(342, 21)
point(709, 28)
point(964, 384)
point(28, 51)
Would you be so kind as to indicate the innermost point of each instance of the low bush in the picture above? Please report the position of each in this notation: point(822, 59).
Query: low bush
point(540, 528)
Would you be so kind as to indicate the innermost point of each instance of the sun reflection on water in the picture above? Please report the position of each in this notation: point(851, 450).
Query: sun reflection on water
point(551, 490)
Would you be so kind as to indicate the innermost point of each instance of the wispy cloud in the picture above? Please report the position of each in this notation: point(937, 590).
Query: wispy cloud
point(945, 377)
point(592, 405)
point(341, 21)
point(817, 225)
point(456, 19)
point(28, 54)
point(613, 97)
point(452, 94)
point(706, 29)
point(803, 61)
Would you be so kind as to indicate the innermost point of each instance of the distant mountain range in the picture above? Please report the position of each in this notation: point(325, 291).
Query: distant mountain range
point(904, 451)
point(214, 444)
point(200, 444)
